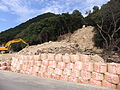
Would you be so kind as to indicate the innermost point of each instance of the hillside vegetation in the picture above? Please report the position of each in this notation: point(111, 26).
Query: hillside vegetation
point(12, 32)
point(44, 27)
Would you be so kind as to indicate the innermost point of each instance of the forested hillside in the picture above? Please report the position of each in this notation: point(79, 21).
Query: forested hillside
point(12, 32)
point(44, 28)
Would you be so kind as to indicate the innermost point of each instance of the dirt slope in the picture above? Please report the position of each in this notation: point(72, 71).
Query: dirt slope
point(83, 37)
point(4, 57)
point(78, 42)
point(51, 47)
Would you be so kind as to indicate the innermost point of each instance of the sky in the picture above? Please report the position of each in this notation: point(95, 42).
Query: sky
point(15, 12)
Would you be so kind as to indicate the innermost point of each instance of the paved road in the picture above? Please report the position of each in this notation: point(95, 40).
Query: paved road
point(16, 81)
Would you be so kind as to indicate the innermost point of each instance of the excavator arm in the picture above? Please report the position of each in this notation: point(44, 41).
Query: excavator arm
point(15, 41)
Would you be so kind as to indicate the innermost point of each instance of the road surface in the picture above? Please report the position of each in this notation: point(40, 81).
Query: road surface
point(16, 81)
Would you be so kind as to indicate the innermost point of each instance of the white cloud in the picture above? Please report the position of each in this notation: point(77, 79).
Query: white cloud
point(53, 7)
point(93, 1)
point(24, 9)
point(3, 7)
point(20, 8)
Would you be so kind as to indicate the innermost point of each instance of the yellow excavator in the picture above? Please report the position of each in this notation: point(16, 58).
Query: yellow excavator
point(6, 47)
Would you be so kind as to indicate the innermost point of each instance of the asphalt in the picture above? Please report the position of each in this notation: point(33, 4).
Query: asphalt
point(17, 81)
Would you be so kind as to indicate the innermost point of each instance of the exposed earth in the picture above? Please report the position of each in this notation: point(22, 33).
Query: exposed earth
point(4, 57)
point(78, 42)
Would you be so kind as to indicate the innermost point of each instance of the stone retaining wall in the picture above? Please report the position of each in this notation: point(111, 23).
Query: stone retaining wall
point(73, 68)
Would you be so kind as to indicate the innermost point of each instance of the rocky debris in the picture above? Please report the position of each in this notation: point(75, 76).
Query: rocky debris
point(79, 42)
point(7, 56)
point(52, 47)
point(96, 58)
point(5, 65)
point(111, 56)
point(83, 37)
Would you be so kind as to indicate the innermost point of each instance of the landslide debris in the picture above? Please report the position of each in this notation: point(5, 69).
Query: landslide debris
point(78, 42)
point(83, 37)
point(52, 47)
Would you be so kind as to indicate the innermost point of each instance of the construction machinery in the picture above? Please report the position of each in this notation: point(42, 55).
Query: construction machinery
point(6, 47)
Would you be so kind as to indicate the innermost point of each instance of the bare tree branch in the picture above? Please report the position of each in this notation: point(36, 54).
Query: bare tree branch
point(100, 29)
point(117, 41)
point(117, 29)
point(117, 20)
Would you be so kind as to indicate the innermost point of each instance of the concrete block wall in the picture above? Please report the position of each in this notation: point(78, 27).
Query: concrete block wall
point(72, 68)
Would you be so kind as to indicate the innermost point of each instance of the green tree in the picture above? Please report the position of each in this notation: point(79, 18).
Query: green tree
point(94, 17)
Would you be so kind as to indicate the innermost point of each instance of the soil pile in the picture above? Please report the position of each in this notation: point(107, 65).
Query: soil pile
point(52, 47)
point(78, 42)
point(83, 37)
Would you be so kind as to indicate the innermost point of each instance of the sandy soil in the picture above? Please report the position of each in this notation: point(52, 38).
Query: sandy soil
point(78, 42)
point(7, 56)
